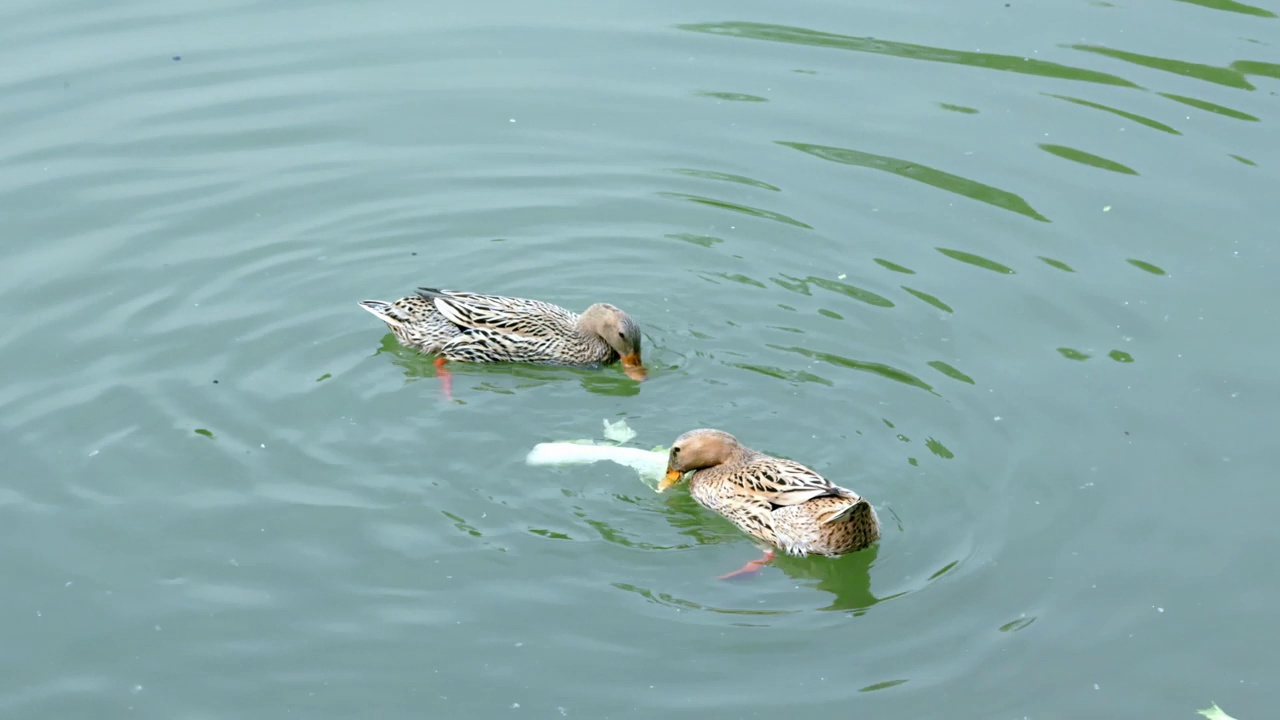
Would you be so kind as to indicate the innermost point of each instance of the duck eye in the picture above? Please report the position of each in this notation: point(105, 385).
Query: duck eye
point(675, 451)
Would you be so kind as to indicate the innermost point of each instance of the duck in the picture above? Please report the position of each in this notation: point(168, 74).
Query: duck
point(784, 505)
point(471, 327)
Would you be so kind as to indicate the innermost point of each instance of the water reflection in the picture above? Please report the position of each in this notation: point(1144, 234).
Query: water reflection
point(461, 524)
point(549, 534)
point(880, 369)
point(847, 578)
point(951, 372)
point(795, 376)
point(611, 534)
point(735, 207)
point(1208, 73)
point(1231, 6)
point(1207, 106)
point(883, 685)
point(1260, 69)
point(732, 277)
point(1086, 158)
point(514, 376)
point(976, 260)
point(1072, 354)
point(702, 240)
point(911, 51)
point(851, 291)
point(608, 532)
point(932, 445)
point(1119, 356)
point(933, 177)
point(1017, 625)
point(894, 267)
point(670, 600)
point(725, 177)
point(801, 285)
point(936, 447)
point(732, 96)
point(1056, 263)
point(1154, 124)
point(930, 299)
point(606, 383)
point(1146, 266)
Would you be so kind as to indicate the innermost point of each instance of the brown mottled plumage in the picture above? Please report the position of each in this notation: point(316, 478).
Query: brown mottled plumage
point(781, 502)
point(469, 327)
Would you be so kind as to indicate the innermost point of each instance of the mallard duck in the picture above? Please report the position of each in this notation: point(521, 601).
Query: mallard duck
point(780, 502)
point(469, 327)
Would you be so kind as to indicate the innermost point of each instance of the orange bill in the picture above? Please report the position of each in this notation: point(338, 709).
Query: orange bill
point(671, 478)
point(632, 366)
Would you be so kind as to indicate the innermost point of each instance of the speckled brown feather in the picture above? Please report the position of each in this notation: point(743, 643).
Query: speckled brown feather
point(471, 327)
point(779, 501)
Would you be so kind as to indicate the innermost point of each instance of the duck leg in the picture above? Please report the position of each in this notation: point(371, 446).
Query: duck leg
point(446, 380)
point(750, 568)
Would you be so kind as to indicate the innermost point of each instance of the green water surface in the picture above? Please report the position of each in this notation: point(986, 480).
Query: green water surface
point(1007, 269)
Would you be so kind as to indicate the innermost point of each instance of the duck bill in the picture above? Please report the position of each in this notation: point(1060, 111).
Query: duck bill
point(632, 366)
point(671, 478)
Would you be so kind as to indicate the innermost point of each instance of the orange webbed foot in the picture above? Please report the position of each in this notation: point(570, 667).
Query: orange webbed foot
point(446, 379)
point(750, 568)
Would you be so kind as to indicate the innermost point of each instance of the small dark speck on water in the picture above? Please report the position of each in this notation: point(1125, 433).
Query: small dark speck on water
point(176, 58)
point(215, 382)
point(413, 253)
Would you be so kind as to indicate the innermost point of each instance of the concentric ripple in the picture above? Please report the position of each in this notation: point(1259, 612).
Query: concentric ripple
point(964, 265)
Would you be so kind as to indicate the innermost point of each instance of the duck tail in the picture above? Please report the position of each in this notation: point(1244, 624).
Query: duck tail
point(386, 312)
point(859, 514)
point(428, 293)
point(860, 522)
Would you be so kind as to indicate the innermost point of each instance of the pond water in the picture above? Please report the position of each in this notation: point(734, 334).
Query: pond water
point(1007, 269)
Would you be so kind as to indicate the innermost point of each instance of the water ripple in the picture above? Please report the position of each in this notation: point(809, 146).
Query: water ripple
point(1207, 73)
point(1214, 108)
point(224, 463)
point(1148, 122)
point(1232, 6)
point(940, 179)
point(737, 208)
point(989, 61)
